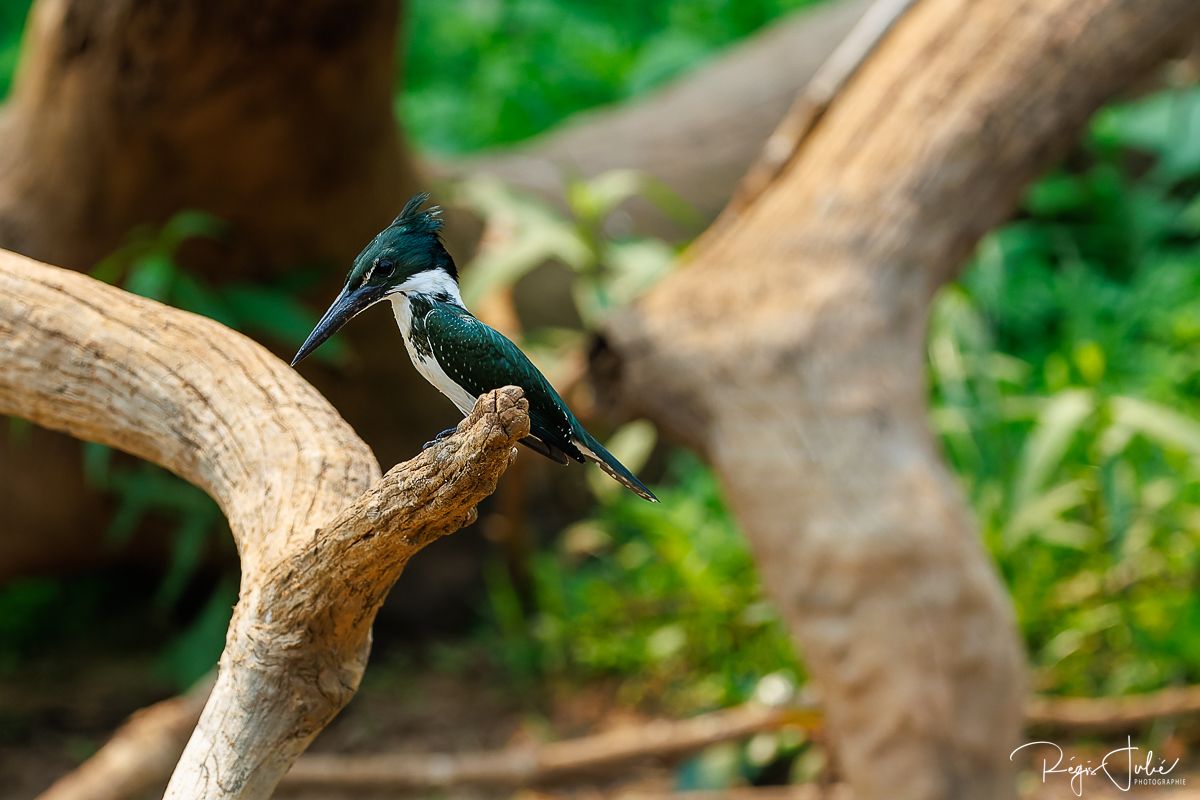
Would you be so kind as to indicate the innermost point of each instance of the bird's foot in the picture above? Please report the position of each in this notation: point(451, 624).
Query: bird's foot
point(438, 438)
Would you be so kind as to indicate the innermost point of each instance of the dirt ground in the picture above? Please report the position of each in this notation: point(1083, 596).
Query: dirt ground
point(53, 714)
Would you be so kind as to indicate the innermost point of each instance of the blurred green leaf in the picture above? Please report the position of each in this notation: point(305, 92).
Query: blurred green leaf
point(467, 68)
point(19, 431)
point(1059, 422)
point(152, 276)
point(277, 315)
point(1170, 428)
point(187, 547)
point(1165, 124)
point(195, 651)
point(532, 235)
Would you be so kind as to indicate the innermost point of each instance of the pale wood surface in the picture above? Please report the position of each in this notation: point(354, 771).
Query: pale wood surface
point(321, 536)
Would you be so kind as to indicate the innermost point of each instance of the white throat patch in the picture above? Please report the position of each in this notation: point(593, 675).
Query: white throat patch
point(431, 282)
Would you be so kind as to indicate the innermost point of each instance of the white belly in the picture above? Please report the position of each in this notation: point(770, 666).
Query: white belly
point(433, 372)
point(429, 368)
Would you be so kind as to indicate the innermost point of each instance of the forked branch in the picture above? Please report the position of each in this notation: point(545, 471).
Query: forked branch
point(321, 537)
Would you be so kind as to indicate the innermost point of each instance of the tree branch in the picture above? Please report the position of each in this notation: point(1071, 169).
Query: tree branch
point(810, 104)
point(140, 754)
point(1112, 714)
point(223, 413)
point(529, 765)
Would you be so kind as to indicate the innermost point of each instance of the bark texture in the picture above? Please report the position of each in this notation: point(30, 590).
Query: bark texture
point(789, 349)
point(275, 116)
point(321, 537)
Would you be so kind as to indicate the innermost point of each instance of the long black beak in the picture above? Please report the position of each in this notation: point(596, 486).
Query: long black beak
point(348, 304)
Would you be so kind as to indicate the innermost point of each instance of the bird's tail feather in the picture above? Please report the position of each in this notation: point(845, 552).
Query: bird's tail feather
point(596, 452)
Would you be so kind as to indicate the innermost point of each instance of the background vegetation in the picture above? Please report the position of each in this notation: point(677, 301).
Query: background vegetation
point(1064, 375)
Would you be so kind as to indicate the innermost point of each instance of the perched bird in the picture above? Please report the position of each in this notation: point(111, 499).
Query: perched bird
point(461, 356)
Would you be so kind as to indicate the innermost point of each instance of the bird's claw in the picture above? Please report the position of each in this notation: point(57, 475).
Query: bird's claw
point(438, 438)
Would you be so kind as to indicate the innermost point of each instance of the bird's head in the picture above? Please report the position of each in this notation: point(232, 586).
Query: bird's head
point(405, 256)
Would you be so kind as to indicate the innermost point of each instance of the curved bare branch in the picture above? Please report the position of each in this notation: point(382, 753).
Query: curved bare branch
point(321, 537)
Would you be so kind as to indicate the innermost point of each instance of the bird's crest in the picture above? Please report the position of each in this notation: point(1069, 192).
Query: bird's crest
point(412, 219)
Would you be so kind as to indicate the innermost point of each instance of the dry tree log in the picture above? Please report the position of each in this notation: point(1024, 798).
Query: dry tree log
point(534, 764)
point(789, 350)
point(275, 116)
point(321, 536)
point(141, 753)
point(1113, 714)
point(827, 82)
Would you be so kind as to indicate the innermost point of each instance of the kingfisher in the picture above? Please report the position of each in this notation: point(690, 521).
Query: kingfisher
point(461, 356)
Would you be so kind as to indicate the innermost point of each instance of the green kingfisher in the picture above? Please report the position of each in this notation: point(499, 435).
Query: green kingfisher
point(461, 356)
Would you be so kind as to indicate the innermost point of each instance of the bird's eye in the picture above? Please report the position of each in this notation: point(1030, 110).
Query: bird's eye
point(384, 267)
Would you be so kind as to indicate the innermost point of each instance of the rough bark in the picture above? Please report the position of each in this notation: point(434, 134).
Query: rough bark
point(320, 536)
point(277, 117)
point(789, 349)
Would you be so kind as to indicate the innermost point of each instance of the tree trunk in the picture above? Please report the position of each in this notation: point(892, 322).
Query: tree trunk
point(321, 536)
point(276, 117)
point(789, 349)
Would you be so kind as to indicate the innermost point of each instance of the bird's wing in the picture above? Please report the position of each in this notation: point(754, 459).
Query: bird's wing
point(480, 359)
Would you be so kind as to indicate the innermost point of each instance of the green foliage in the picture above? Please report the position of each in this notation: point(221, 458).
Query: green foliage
point(486, 72)
point(146, 264)
point(143, 492)
point(610, 272)
point(666, 597)
point(27, 607)
point(12, 18)
point(1065, 373)
point(194, 651)
point(53, 620)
